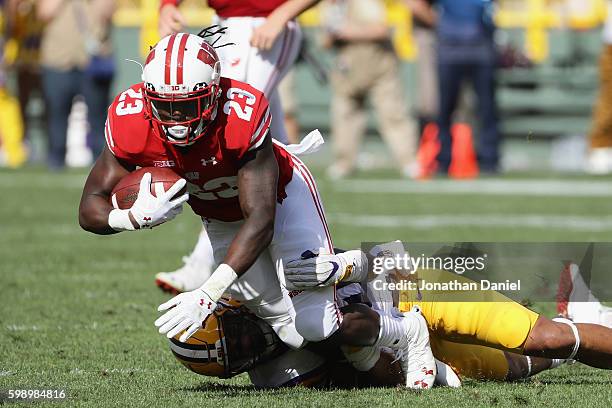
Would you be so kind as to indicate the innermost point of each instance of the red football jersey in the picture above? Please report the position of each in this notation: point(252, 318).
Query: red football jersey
point(244, 8)
point(238, 8)
point(211, 164)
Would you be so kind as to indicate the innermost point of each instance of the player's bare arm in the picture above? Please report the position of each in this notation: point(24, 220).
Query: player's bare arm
point(257, 181)
point(95, 205)
point(47, 9)
point(171, 19)
point(266, 34)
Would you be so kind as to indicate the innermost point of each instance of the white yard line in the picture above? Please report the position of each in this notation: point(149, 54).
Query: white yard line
point(490, 186)
point(530, 187)
point(562, 222)
point(46, 180)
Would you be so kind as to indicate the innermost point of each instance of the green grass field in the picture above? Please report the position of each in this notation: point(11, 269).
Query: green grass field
point(77, 310)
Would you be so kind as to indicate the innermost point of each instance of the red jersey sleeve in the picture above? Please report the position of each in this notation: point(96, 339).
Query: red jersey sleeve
point(164, 2)
point(126, 130)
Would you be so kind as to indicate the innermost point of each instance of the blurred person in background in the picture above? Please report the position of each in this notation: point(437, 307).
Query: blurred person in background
point(424, 18)
point(366, 67)
point(26, 30)
point(76, 57)
point(12, 151)
point(263, 43)
point(466, 50)
point(600, 155)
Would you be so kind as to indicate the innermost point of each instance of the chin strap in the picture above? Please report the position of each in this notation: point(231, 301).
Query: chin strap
point(576, 335)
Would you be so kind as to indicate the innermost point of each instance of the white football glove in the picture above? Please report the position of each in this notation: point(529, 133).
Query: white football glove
point(187, 311)
point(150, 210)
point(317, 270)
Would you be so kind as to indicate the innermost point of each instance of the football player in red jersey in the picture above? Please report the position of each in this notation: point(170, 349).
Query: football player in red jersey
point(259, 203)
point(265, 43)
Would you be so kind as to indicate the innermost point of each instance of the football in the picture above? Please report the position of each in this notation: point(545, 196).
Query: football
point(126, 191)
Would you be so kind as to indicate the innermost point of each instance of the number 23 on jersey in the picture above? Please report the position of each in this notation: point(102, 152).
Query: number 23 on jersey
point(130, 103)
point(234, 95)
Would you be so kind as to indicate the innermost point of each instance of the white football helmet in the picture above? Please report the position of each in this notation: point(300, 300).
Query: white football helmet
point(181, 81)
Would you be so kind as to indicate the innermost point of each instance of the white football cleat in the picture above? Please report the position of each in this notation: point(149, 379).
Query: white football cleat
point(188, 277)
point(416, 358)
point(446, 376)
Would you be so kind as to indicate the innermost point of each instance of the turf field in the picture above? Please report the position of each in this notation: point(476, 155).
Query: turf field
point(77, 310)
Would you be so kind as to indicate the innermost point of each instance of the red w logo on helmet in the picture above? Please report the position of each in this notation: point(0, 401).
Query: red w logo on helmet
point(207, 54)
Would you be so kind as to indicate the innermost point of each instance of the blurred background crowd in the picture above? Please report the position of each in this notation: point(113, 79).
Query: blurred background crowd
point(451, 87)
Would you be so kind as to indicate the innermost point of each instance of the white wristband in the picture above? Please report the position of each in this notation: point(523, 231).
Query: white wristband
point(221, 279)
point(119, 220)
point(359, 262)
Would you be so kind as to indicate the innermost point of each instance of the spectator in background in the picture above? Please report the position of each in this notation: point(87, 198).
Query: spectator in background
point(466, 49)
point(424, 18)
point(366, 67)
point(26, 29)
point(600, 156)
point(77, 59)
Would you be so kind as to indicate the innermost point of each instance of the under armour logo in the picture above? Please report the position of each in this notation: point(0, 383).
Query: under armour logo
point(146, 218)
point(212, 160)
point(428, 372)
point(202, 301)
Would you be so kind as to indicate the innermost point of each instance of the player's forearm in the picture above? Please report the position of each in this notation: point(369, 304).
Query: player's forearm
point(252, 239)
point(47, 9)
point(254, 236)
point(291, 9)
point(257, 182)
point(94, 213)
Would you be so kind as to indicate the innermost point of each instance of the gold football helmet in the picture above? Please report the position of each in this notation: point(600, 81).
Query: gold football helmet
point(231, 341)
